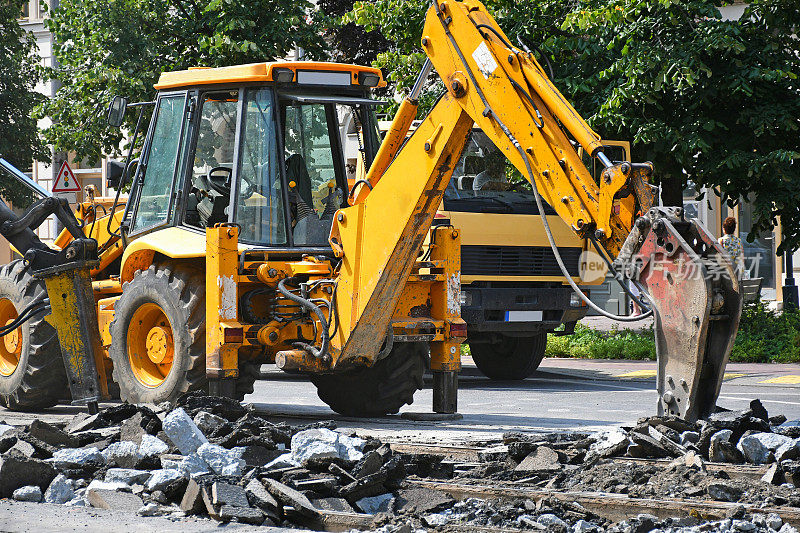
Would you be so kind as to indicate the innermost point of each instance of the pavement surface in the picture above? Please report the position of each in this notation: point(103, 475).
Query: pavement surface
point(564, 394)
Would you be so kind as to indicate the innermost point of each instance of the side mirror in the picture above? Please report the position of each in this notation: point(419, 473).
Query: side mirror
point(114, 171)
point(116, 111)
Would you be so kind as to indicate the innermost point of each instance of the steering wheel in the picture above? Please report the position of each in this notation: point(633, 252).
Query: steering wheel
point(219, 178)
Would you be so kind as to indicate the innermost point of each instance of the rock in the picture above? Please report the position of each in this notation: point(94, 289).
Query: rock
point(549, 519)
point(192, 465)
point(245, 515)
point(646, 447)
point(689, 437)
point(316, 444)
point(183, 432)
point(196, 401)
point(610, 443)
point(368, 465)
point(222, 461)
point(161, 479)
point(114, 500)
point(339, 505)
point(774, 521)
point(291, 497)
point(22, 448)
point(721, 450)
point(128, 476)
point(371, 485)
point(208, 423)
point(420, 500)
point(28, 493)
point(59, 491)
point(435, 520)
point(124, 454)
point(758, 410)
point(668, 444)
point(723, 492)
point(5, 428)
point(758, 447)
point(582, 526)
point(375, 504)
point(743, 525)
point(777, 420)
point(192, 501)
point(773, 475)
point(227, 494)
point(98, 484)
point(18, 471)
point(144, 422)
point(542, 459)
point(82, 422)
point(692, 460)
point(732, 420)
point(258, 496)
point(51, 434)
point(152, 447)
point(789, 450)
point(255, 455)
point(72, 457)
point(150, 509)
point(283, 461)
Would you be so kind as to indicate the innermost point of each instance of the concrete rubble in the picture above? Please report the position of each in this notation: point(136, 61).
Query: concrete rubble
point(211, 457)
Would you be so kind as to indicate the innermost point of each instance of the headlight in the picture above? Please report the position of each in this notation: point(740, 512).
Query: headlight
point(466, 298)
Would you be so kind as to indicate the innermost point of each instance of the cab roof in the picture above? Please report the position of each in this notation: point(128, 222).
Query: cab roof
point(304, 73)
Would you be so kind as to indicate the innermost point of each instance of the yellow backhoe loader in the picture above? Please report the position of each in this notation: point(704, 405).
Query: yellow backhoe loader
point(241, 244)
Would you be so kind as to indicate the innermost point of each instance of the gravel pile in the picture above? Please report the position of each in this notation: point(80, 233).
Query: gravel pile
point(211, 457)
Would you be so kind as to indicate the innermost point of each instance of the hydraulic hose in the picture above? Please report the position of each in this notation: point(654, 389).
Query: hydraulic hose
point(33, 309)
point(322, 351)
point(537, 196)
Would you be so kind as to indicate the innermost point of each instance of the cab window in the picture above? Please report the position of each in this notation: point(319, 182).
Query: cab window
point(311, 171)
point(212, 164)
point(157, 183)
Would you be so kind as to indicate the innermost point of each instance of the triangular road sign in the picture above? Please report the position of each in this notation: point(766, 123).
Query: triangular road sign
point(65, 181)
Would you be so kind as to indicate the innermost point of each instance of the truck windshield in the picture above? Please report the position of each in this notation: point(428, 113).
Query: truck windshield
point(485, 181)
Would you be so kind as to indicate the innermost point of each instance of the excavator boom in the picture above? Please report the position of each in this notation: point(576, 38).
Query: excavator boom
point(690, 283)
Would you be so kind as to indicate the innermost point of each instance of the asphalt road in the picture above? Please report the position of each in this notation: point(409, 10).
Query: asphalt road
point(562, 394)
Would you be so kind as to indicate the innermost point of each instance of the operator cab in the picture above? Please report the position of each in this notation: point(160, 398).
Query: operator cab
point(255, 145)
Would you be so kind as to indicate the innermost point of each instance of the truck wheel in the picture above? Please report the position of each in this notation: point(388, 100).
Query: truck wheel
point(509, 358)
point(32, 374)
point(158, 334)
point(379, 390)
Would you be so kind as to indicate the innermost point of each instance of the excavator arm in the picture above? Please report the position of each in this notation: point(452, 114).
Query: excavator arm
point(689, 282)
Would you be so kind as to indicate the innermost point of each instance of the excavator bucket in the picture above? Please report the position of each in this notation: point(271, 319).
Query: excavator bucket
point(694, 290)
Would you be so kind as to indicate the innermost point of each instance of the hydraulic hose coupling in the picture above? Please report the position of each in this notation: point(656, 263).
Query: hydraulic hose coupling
point(322, 351)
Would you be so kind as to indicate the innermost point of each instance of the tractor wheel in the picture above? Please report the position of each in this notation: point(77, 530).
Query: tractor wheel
point(32, 374)
point(379, 390)
point(158, 334)
point(508, 358)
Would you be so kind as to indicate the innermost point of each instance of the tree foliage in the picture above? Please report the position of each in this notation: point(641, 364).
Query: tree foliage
point(19, 73)
point(711, 100)
point(121, 46)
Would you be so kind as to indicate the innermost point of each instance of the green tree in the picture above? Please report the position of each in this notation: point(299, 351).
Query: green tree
point(113, 47)
point(705, 99)
point(19, 73)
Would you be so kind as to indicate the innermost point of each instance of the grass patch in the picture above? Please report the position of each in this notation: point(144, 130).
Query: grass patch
point(763, 337)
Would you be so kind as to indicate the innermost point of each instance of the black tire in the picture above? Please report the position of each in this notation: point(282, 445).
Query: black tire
point(379, 390)
point(508, 358)
point(179, 291)
point(39, 379)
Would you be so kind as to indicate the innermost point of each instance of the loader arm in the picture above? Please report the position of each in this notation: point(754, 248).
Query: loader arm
point(690, 282)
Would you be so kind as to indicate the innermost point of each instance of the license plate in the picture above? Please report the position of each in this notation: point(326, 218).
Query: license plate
point(524, 316)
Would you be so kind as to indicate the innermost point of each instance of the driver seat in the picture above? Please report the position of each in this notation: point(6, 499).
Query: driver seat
point(210, 199)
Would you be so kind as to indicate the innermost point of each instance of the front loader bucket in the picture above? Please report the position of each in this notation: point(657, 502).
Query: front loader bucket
point(695, 294)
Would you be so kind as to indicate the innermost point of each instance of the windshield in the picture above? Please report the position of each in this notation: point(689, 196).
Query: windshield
point(484, 180)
